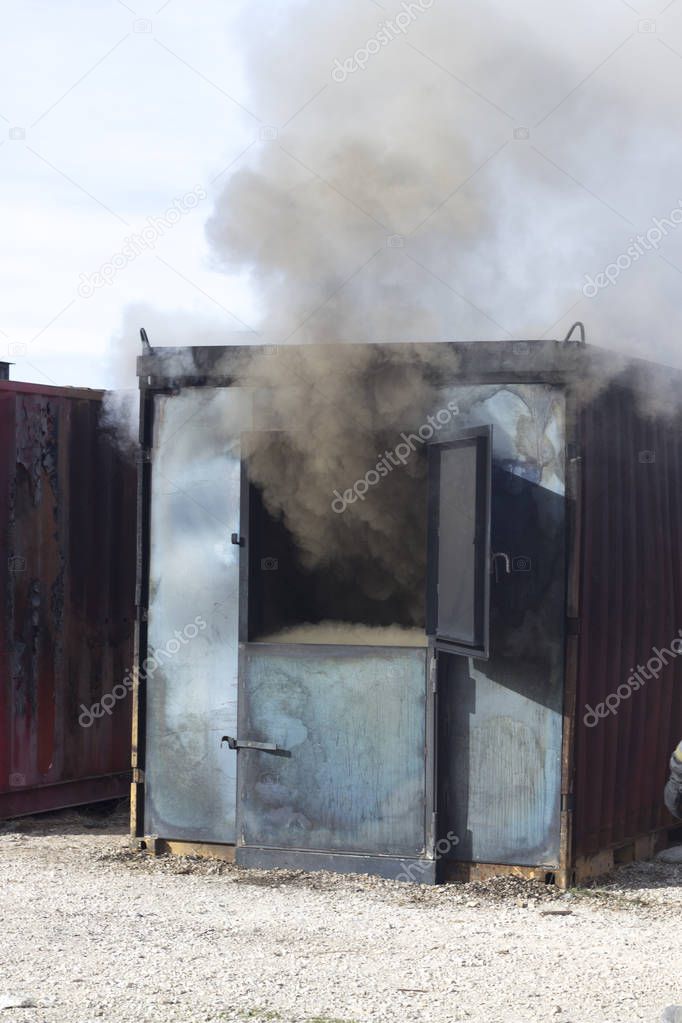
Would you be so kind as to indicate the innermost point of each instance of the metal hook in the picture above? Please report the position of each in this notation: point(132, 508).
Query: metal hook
point(146, 347)
point(579, 326)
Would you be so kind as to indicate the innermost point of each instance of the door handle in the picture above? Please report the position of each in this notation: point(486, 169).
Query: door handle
point(493, 564)
point(264, 747)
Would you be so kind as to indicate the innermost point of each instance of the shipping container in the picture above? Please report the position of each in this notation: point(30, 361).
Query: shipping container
point(482, 709)
point(67, 601)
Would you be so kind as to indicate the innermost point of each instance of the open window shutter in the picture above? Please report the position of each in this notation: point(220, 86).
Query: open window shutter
point(458, 587)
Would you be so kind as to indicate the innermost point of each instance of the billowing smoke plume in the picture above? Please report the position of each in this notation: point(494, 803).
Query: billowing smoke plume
point(423, 170)
point(440, 171)
point(348, 474)
point(433, 172)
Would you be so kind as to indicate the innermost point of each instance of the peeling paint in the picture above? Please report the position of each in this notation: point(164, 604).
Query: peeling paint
point(66, 606)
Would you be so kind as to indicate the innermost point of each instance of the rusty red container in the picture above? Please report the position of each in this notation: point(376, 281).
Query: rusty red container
point(67, 561)
point(630, 510)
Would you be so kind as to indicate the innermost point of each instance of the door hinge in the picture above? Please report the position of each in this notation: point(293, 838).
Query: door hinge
point(567, 802)
point(138, 776)
point(433, 673)
point(572, 626)
point(433, 837)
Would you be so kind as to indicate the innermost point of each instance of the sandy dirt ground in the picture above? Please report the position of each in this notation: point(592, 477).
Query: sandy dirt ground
point(93, 930)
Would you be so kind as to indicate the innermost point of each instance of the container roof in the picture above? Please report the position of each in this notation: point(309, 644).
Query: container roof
point(551, 361)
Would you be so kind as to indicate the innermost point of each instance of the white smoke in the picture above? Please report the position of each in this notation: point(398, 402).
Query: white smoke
point(459, 186)
point(513, 151)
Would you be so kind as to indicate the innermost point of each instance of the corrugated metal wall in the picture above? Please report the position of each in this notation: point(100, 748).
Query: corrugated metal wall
point(630, 603)
point(67, 549)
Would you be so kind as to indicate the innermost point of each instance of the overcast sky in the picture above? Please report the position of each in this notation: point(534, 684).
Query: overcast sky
point(518, 148)
point(109, 112)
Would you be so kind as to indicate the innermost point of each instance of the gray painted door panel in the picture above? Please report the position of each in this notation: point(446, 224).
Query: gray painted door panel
point(353, 720)
point(190, 782)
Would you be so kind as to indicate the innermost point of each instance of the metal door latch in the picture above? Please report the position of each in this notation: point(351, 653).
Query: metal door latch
point(264, 747)
point(493, 564)
point(237, 540)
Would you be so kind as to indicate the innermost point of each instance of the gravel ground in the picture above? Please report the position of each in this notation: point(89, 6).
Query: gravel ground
point(92, 930)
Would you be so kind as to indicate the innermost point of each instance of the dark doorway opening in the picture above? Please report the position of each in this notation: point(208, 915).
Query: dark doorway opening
point(368, 583)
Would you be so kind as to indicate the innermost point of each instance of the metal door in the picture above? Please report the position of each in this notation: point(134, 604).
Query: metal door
point(190, 783)
point(331, 756)
point(499, 687)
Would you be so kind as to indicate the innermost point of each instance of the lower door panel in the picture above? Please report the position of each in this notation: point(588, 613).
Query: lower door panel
point(350, 774)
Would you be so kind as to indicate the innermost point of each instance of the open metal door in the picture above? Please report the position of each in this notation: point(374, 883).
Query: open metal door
point(458, 574)
point(495, 622)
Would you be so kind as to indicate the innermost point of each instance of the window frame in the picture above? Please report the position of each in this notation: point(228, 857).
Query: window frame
point(482, 437)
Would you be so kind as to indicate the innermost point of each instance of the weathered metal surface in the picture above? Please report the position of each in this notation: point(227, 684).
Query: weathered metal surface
point(66, 604)
point(204, 850)
point(191, 698)
point(499, 361)
point(395, 868)
point(354, 721)
point(464, 872)
point(500, 721)
point(501, 724)
point(630, 603)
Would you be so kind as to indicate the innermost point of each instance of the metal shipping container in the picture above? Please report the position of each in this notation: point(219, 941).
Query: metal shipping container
point(66, 603)
point(552, 539)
